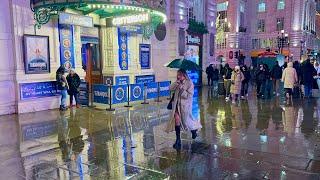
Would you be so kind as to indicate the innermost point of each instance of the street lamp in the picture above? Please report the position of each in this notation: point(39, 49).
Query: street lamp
point(284, 38)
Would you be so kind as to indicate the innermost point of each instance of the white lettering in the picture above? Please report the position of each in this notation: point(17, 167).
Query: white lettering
point(193, 40)
point(101, 93)
point(133, 19)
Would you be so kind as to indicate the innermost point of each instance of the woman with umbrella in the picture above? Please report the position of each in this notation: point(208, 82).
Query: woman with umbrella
point(181, 115)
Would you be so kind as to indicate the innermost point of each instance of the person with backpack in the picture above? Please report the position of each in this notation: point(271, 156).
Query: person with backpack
point(62, 85)
point(276, 75)
point(261, 77)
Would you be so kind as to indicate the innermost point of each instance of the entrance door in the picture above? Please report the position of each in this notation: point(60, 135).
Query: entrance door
point(91, 63)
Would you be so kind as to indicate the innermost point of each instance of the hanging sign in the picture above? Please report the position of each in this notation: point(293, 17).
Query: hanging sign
point(164, 88)
point(66, 46)
point(131, 29)
point(123, 50)
point(136, 92)
point(152, 90)
point(145, 79)
point(100, 93)
point(122, 80)
point(144, 50)
point(38, 90)
point(119, 94)
point(74, 19)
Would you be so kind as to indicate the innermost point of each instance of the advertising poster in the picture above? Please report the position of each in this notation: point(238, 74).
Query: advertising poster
point(144, 50)
point(100, 94)
point(136, 92)
point(145, 79)
point(164, 88)
point(123, 50)
point(36, 54)
point(119, 94)
point(152, 90)
point(66, 46)
point(192, 54)
point(38, 90)
point(122, 80)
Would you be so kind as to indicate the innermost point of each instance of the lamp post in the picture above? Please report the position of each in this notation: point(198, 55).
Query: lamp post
point(282, 39)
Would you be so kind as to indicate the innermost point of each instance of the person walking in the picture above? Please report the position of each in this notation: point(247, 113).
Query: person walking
point(215, 80)
point(308, 73)
point(236, 82)
point(289, 78)
point(62, 85)
point(276, 75)
point(181, 116)
point(227, 72)
point(317, 67)
point(245, 83)
point(73, 80)
point(261, 78)
point(209, 72)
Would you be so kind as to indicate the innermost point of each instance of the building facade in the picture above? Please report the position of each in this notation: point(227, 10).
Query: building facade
point(251, 27)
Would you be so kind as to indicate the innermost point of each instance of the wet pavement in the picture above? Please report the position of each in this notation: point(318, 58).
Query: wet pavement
point(255, 139)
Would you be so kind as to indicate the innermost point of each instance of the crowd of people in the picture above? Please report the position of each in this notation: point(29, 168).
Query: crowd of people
point(268, 81)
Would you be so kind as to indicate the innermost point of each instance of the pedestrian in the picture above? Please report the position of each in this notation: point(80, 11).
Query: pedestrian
point(227, 72)
point(289, 78)
point(276, 75)
point(308, 73)
point(181, 116)
point(245, 83)
point(261, 81)
point(215, 79)
point(268, 84)
point(209, 72)
point(236, 82)
point(317, 67)
point(62, 85)
point(74, 83)
point(297, 67)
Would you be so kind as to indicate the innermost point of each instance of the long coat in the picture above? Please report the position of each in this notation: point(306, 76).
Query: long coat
point(236, 79)
point(289, 76)
point(183, 105)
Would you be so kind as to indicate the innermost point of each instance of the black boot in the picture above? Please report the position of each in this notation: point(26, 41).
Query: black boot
point(194, 134)
point(177, 144)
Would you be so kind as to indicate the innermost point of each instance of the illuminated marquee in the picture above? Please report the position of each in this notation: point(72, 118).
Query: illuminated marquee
point(133, 19)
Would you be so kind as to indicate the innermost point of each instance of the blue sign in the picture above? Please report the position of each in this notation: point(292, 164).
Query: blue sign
point(38, 130)
point(131, 29)
point(164, 88)
point(119, 94)
point(152, 90)
point(122, 80)
point(38, 90)
point(136, 92)
point(74, 19)
point(101, 93)
point(145, 79)
point(123, 50)
point(83, 96)
point(144, 50)
point(66, 46)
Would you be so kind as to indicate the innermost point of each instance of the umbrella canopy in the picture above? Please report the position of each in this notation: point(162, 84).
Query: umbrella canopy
point(184, 64)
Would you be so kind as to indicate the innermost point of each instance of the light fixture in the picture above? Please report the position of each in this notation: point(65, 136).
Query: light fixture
point(282, 31)
point(286, 35)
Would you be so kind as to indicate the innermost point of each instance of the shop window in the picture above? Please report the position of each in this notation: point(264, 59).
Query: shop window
point(280, 24)
point(261, 25)
point(281, 4)
point(261, 6)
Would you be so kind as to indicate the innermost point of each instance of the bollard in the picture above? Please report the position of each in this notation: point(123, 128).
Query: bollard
point(145, 95)
point(128, 94)
point(110, 100)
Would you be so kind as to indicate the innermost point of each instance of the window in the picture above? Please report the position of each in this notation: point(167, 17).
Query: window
point(222, 6)
point(242, 16)
point(191, 15)
point(223, 20)
point(281, 4)
point(261, 6)
point(255, 43)
point(280, 24)
point(261, 25)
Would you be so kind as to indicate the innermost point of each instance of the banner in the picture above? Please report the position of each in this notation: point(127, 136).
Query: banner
point(136, 92)
point(83, 94)
point(123, 50)
point(74, 19)
point(144, 50)
point(122, 80)
point(145, 79)
point(38, 90)
point(101, 94)
point(119, 94)
point(164, 88)
point(152, 90)
point(66, 46)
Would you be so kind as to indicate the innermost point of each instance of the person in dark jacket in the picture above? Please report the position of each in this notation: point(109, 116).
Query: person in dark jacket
point(261, 78)
point(62, 85)
point(226, 74)
point(245, 82)
point(268, 85)
point(209, 72)
point(276, 75)
point(215, 79)
point(297, 67)
point(308, 72)
point(74, 83)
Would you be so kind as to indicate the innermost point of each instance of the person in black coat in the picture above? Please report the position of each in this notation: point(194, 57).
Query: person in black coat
point(245, 82)
point(215, 79)
point(276, 75)
point(226, 74)
point(308, 72)
point(261, 77)
point(209, 72)
point(74, 83)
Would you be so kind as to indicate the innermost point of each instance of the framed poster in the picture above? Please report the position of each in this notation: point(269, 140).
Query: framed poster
point(144, 50)
point(36, 54)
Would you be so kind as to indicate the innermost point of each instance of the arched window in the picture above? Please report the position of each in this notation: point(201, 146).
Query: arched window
point(261, 6)
point(281, 4)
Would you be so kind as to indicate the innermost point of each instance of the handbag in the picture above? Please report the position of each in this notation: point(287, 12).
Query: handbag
point(169, 106)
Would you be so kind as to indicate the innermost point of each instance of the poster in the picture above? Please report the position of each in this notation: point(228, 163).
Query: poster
point(144, 51)
point(192, 54)
point(36, 54)
point(101, 94)
point(136, 92)
point(66, 46)
point(122, 80)
point(38, 90)
point(119, 94)
point(123, 50)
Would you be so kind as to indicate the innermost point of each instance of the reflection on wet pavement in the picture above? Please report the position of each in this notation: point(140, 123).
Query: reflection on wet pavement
point(255, 139)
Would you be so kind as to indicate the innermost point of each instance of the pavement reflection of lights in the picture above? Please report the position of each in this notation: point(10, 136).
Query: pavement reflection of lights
point(282, 139)
point(263, 139)
point(283, 175)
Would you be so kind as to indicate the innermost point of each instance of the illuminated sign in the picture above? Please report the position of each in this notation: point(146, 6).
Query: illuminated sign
point(193, 40)
point(74, 19)
point(132, 19)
